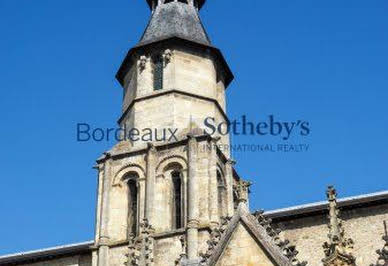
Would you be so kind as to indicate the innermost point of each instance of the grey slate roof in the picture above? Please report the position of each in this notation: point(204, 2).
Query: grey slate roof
point(175, 19)
point(46, 254)
point(311, 209)
point(175, 22)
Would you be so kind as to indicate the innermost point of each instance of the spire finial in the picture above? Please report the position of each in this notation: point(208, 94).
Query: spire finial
point(337, 249)
point(154, 3)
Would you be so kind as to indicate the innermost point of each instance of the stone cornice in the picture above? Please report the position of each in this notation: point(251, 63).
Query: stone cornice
point(172, 91)
point(142, 150)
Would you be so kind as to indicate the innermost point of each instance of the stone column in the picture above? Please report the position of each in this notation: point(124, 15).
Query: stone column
point(193, 200)
point(103, 241)
point(151, 160)
point(213, 189)
point(229, 187)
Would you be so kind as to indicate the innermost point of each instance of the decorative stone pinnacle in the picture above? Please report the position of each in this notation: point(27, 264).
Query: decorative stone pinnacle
point(242, 190)
point(383, 253)
point(140, 248)
point(337, 249)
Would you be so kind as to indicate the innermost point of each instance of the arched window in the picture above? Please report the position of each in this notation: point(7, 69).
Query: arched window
point(177, 200)
point(132, 205)
point(220, 194)
point(158, 73)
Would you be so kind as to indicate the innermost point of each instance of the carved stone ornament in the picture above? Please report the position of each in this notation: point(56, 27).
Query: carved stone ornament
point(288, 250)
point(183, 254)
point(241, 189)
point(383, 253)
point(167, 55)
point(141, 248)
point(215, 237)
point(142, 62)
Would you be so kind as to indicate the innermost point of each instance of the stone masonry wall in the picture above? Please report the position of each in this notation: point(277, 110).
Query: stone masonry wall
point(363, 225)
point(243, 250)
point(77, 260)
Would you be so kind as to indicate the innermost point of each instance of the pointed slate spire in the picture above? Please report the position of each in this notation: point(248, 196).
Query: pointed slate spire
point(383, 253)
point(337, 249)
point(174, 19)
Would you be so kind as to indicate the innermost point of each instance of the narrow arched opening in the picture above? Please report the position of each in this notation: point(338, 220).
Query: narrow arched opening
point(221, 189)
point(158, 72)
point(133, 199)
point(177, 212)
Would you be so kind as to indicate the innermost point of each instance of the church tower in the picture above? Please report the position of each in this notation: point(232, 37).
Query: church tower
point(160, 195)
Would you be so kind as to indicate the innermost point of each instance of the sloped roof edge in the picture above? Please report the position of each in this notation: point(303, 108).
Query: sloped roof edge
point(321, 206)
point(259, 234)
point(40, 254)
point(144, 46)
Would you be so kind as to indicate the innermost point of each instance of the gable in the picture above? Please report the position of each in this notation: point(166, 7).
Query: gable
point(243, 250)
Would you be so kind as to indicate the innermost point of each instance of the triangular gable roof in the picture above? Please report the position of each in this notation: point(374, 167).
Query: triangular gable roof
point(259, 234)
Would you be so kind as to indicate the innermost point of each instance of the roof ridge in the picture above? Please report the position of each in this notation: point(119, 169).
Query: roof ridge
point(282, 253)
point(324, 203)
point(44, 250)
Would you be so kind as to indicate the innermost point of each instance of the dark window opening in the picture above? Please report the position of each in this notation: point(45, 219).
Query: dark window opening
point(235, 200)
point(132, 206)
point(183, 1)
point(158, 73)
point(220, 193)
point(177, 198)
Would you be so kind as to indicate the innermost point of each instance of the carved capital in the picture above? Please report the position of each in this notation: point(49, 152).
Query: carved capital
point(193, 224)
point(103, 241)
point(241, 189)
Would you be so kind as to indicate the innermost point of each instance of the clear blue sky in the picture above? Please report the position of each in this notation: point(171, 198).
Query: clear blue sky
point(321, 61)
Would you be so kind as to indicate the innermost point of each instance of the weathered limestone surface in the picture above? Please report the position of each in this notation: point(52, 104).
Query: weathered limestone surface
point(78, 260)
point(174, 247)
point(188, 71)
point(117, 256)
point(243, 250)
point(363, 225)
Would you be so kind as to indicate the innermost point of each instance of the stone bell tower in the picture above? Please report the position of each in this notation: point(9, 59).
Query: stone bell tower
point(159, 197)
